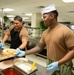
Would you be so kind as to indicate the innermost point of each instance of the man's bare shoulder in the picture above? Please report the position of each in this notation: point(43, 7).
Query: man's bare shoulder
point(11, 27)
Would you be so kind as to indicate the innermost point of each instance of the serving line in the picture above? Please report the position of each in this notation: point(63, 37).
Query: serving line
point(40, 69)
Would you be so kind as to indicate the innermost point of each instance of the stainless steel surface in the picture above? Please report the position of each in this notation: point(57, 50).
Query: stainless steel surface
point(24, 66)
point(41, 70)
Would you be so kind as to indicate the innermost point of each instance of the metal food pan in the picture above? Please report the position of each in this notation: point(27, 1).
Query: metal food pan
point(24, 66)
point(11, 71)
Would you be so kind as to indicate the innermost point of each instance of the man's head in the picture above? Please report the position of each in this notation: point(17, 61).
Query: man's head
point(18, 22)
point(49, 14)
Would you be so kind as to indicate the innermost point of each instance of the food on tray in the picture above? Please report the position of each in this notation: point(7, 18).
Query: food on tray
point(3, 57)
point(9, 52)
point(24, 66)
point(0, 58)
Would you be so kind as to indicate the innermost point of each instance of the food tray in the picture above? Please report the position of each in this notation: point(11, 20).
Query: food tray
point(4, 57)
point(25, 67)
point(11, 71)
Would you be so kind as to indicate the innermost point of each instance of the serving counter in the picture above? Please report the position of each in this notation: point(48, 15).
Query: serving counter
point(9, 63)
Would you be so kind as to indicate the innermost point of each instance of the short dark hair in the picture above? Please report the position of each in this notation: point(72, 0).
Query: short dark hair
point(55, 12)
point(18, 18)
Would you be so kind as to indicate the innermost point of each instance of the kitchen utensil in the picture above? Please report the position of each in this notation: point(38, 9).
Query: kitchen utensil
point(33, 66)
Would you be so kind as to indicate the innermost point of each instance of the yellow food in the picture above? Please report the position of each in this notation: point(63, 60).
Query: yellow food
point(8, 53)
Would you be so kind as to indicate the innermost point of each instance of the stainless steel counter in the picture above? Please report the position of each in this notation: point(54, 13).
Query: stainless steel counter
point(41, 70)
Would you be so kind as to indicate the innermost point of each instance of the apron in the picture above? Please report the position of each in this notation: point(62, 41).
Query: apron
point(15, 40)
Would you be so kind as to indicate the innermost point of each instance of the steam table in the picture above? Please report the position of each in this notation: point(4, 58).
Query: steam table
point(8, 63)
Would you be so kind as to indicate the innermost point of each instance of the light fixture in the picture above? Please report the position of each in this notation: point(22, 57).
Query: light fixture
point(72, 26)
point(28, 14)
point(10, 16)
point(25, 18)
point(8, 9)
point(68, 1)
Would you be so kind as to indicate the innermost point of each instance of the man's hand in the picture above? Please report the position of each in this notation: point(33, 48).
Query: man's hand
point(53, 66)
point(20, 53)
point(1, 45)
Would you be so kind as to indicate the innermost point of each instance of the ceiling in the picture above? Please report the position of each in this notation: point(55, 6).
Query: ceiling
point(66, 10)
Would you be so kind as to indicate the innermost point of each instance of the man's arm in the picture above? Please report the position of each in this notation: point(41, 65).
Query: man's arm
point(54, 66)
point(36, 49)
point(24, 38)
point(24, 43)
point(6, 36)
point(66, 58)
